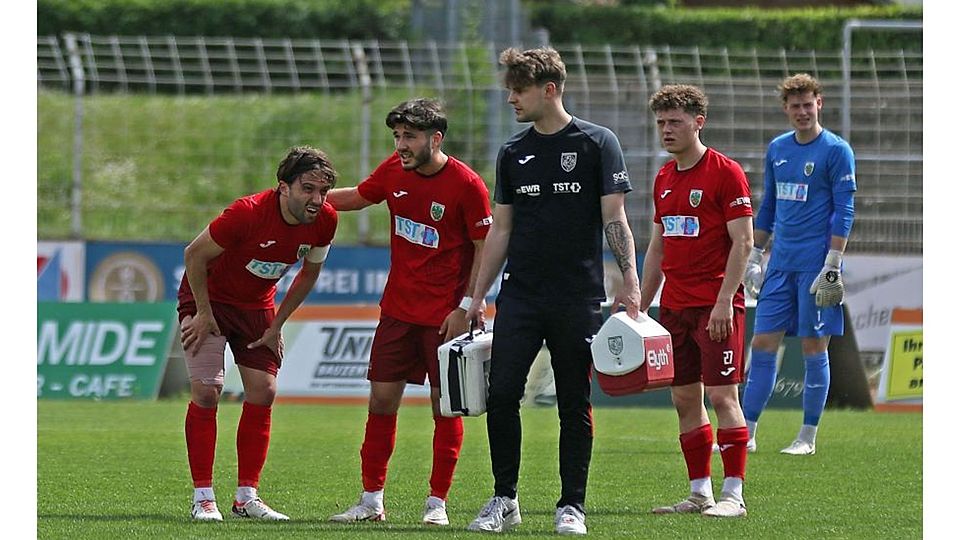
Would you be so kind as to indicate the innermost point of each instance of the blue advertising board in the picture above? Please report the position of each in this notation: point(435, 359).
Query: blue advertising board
point(151, 272)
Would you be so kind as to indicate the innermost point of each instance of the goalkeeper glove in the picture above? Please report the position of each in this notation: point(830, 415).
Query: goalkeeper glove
point(753, 276)
point(828, 286)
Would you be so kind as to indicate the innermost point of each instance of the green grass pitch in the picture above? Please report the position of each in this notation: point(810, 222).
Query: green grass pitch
point(119, 470)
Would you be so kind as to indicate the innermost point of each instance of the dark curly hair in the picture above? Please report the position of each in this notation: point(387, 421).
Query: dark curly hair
point(687, 97)
point(304, 159)
point(422, 114)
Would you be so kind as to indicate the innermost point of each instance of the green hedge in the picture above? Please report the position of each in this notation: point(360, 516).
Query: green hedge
point(635, 22)
point(307, 19)
point(746, 28)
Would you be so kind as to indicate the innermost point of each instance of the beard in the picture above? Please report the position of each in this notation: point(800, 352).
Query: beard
point(419, 159)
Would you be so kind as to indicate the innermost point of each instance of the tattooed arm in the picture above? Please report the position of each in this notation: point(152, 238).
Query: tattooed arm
point(620, 240)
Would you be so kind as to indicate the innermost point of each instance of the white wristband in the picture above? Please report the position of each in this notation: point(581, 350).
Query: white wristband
point(465, 303)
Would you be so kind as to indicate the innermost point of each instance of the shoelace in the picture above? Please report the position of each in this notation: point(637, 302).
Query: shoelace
point(495, 504)
point(569, 516)
point(208, 506)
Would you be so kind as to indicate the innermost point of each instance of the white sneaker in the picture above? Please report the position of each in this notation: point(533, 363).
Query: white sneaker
point(727, 506)
point(800, 448)
point(206, 510)
point(435, 511)
point(500, 514)
point(569, 520)
point(369, 508)
point(694, 504)
point(257, 509)
point(751, 446)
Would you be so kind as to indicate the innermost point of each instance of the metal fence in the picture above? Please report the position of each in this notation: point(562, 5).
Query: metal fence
point(606, 84)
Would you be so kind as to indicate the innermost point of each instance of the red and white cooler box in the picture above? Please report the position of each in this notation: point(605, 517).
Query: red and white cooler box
point(464, 374)
point(631, 356)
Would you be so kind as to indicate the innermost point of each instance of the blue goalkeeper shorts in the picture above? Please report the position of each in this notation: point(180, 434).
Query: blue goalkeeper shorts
point(786, 305)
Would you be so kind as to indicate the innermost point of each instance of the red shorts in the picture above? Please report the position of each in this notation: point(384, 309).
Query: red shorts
point(697, 358)
point(403, 351)
point(240, 327)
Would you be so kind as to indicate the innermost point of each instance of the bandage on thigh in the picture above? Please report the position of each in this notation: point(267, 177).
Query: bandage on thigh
point(206, 365)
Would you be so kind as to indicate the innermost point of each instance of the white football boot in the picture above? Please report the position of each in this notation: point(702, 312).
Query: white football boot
point(728, 506)
point(369, 508)
point(500, 514)
point(694, 504)
point(206, 510)
point(435, 511)
point(257, 509)
point(569, 520)
point(800, 448)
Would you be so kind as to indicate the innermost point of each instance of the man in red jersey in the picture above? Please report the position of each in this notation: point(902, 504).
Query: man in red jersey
point(226, 296)
point(440, 214)
point(702, 236)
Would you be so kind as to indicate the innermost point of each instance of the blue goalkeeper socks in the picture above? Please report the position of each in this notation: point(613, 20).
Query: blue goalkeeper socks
point(760, 381)
point(816, 384)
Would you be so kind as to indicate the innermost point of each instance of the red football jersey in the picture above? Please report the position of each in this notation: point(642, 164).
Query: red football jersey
point(259, 248)
point(694, 207)
point(434, 221)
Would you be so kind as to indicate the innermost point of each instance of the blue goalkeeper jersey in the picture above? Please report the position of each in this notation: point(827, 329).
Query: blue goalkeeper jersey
point(807, 198)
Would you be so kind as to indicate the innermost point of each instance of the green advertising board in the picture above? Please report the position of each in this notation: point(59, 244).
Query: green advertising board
point(103, 350)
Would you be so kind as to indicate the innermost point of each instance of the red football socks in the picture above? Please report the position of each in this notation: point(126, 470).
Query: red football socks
point(379, 438)
point(733, 451)
point(201, 431)
point(697, 446)
point(253, 439)
point(447, 440)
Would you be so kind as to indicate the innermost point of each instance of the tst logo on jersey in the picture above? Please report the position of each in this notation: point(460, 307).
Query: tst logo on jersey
point(688, 226)
point(416, 233)
point(787, 191)
point(267, 270)
point(566, 187)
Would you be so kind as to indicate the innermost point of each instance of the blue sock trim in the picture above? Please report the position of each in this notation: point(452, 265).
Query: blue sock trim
point(760, 381)
point(816, 385)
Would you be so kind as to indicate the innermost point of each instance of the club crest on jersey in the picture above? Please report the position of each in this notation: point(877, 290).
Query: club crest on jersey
point(436, 210)
point(303, 250)
point(568, 160)
point(615, 344)
point(696, 195)
point(808, 168)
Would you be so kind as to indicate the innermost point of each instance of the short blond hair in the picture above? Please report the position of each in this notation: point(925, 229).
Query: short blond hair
point(686, 97)
point(532, 67)
point(799, 84)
